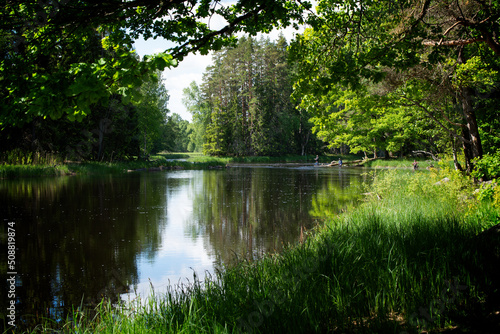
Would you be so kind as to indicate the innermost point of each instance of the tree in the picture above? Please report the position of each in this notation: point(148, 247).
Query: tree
point(68, 73)
point(247, 99)
point(153, 113)
point(194, 102)
point(355, 42)
point(177, 134)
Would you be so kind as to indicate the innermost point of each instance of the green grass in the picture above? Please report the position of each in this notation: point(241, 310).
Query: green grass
point(12, 171)
point(405, 260)
point(400, 163)
point(49, 165)
point(102, 168)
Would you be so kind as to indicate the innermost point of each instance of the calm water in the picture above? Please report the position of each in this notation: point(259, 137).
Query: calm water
point(79, 239)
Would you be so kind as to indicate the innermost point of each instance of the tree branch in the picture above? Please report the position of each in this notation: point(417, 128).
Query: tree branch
point(183, 49)
point(456, 42)
point(431, 115)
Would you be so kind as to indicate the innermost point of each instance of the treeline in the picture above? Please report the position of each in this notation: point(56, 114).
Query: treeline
point(264, 97)
point(243, 106)
point(114, 131)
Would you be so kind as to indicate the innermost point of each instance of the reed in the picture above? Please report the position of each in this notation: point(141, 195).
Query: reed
point(13, 171)
point(102, 168)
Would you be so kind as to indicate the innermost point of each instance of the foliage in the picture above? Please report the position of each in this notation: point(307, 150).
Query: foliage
point(197, 106)
point(178, 134)
point(487, 192)
point(49, 70)
point(152, 115)
point(367, 122)
point(243, 106)
point(49, 88)
point(445, 72)
point(488, 167)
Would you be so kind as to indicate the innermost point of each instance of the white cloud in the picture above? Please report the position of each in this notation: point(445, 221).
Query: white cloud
point(176, 79)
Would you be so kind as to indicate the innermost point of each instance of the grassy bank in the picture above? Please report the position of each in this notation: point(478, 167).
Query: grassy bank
point(323, 159)
point(100, 168)
point(410, 259)
point(28, 167)
point(399, 163)
point(51, 166)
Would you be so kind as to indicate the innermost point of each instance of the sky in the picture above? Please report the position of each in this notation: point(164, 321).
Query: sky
point(189, 70)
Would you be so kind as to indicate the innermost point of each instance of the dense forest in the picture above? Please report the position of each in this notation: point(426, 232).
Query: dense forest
point(383, 78)
point(244, 106)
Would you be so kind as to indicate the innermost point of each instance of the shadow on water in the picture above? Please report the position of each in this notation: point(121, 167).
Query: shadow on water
point(82, 239)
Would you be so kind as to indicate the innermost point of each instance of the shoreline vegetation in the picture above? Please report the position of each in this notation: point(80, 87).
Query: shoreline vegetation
point(417, 255)
point(164, 161)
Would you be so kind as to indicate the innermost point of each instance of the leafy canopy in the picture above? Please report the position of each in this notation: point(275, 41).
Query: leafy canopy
point(58, 58)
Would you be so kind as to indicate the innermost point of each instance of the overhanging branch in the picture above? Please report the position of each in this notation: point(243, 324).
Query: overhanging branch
point(431, 115)
point(456, 42)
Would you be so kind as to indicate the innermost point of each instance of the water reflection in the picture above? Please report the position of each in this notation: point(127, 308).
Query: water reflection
point(80, 239)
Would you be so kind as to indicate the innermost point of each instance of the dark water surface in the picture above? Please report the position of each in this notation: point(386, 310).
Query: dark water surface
point(79, 239)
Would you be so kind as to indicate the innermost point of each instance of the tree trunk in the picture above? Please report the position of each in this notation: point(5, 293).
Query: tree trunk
point(102, 130)
point(473, 147)
point(145, 145)
point(455, 158)
point(470, 119)
point(467, 150)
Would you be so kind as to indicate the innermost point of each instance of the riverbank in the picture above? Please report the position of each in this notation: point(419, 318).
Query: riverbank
point(157, 163)
point(162, 161)
point(412, 258)
point(192, 161)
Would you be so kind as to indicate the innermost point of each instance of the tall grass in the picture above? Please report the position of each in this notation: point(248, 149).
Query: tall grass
point(12, 171)
point(20, 157)
point(400, 163)
point(404, 261)
point(102, 168)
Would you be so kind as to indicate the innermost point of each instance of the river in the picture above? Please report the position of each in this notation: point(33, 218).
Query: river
point(79, 238)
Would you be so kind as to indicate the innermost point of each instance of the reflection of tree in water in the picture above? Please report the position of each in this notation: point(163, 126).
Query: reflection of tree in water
point(338, 193)
point(77, 239)
point(250, 211)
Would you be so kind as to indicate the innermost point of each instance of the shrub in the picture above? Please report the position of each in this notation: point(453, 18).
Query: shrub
point(488, 167)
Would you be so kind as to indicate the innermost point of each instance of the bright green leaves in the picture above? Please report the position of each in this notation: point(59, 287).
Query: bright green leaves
point(476, 73)
point(160, 61)
point(72, 89)
point(84, 50)
point(488, 167)
point(360, 119)
point(415, 57)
